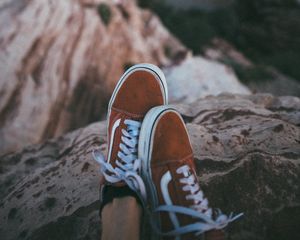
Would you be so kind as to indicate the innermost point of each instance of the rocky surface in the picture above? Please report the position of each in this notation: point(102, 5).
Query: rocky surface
point(59, 62)
point(247, 153)
point(197, 77)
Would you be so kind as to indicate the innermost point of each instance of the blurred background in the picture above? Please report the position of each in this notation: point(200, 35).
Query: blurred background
point(266, 32)
point(61, 60)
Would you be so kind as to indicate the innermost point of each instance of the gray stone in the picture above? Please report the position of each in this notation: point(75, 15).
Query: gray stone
point(247, 154)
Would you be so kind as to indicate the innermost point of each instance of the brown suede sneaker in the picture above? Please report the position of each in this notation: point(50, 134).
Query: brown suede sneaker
point(141, 87)
point(176, 200)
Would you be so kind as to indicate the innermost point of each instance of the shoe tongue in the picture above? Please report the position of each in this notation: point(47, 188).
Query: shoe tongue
point(116, 134)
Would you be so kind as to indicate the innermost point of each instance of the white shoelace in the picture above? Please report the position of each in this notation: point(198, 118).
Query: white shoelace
point(128, 164)
point(199, 210)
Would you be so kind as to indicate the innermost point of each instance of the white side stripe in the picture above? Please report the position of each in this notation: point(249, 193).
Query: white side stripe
point(114, 128)
point(164, 182)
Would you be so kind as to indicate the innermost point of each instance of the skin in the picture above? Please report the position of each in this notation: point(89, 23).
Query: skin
point(126, 226)
point(121, 226)
point(122, 218)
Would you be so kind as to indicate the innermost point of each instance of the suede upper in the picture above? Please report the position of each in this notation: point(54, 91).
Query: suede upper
point(171, 149)
point(139, 92)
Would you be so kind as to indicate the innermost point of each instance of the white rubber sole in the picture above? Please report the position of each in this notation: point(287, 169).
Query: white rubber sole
point(146, 67)
point(145, 147)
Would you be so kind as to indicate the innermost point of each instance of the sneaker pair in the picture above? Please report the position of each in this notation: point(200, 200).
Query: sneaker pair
point(149, 150)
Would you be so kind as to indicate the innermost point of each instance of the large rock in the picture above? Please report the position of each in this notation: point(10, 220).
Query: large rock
point(197, 77)
point(247, 153)
point(59, 62)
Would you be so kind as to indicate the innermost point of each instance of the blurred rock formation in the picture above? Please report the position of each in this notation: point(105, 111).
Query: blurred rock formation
point(198, 77)
point(266, 31)
point(258, 77)
point(60, 60)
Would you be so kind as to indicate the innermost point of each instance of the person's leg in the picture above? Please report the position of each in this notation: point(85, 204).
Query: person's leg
point(121, 219)
point(169, 172)
point(141, 87)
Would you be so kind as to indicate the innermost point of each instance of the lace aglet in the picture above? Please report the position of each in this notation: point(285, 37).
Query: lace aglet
point(98, 156)
point(236, 217)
